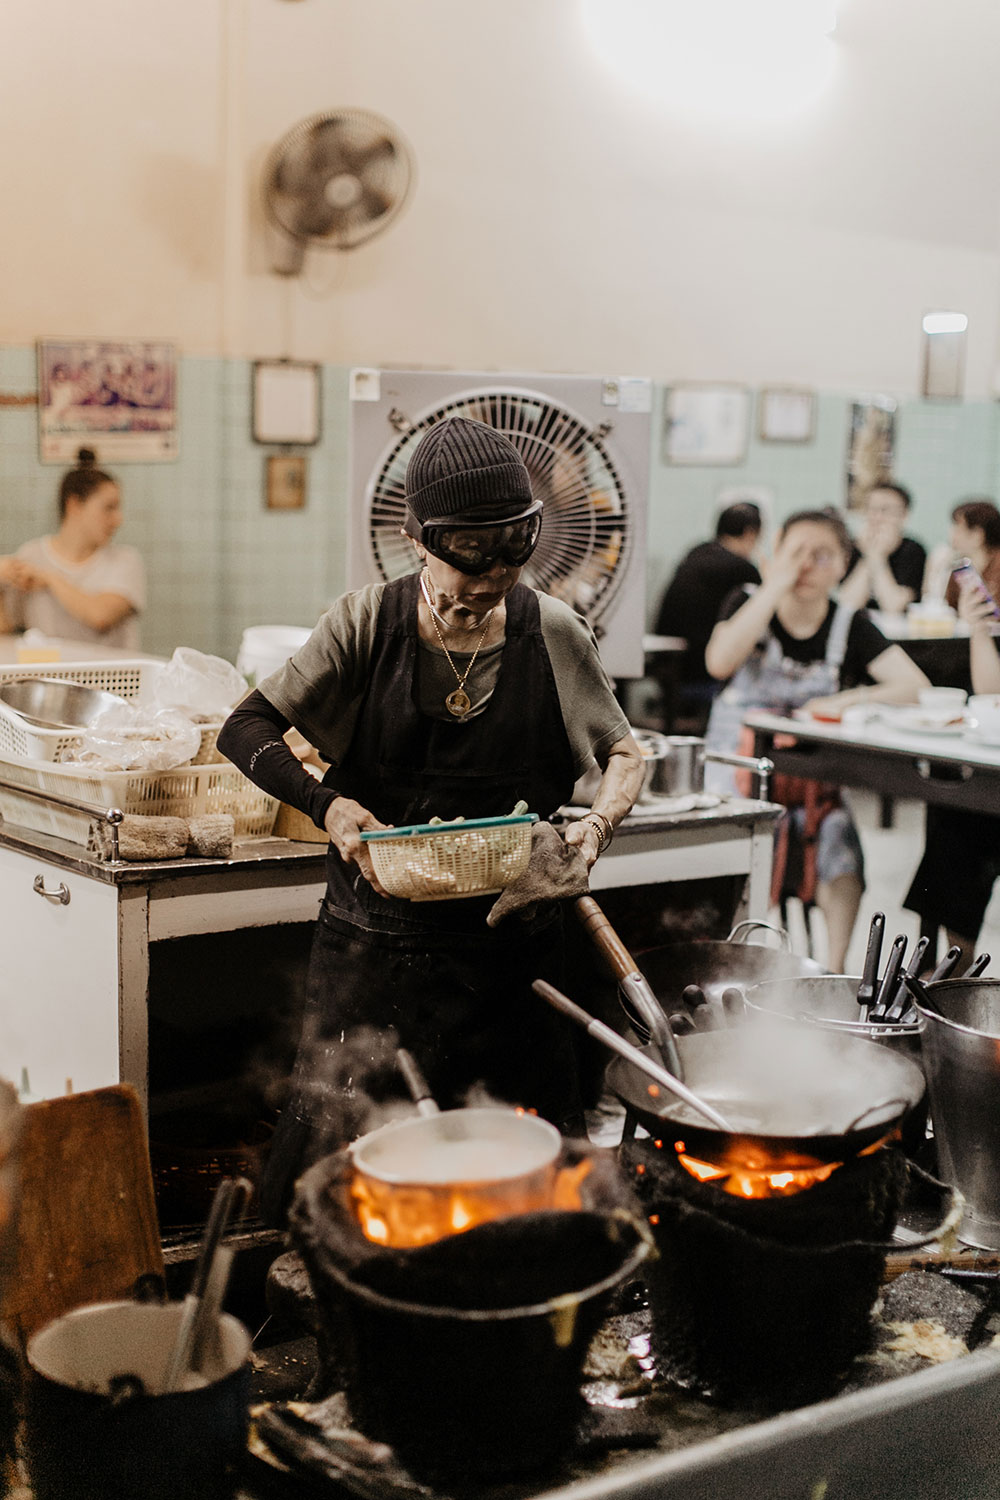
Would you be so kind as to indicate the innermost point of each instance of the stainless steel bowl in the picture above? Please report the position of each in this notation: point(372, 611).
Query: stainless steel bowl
point(53, 704)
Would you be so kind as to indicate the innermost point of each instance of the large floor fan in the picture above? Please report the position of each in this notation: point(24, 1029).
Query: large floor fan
point(590, 467)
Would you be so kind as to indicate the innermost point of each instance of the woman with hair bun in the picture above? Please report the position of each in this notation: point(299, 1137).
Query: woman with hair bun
point(76, 585)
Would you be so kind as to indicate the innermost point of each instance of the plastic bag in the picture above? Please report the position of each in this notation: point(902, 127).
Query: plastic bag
point(200, 686)
point(138, 737)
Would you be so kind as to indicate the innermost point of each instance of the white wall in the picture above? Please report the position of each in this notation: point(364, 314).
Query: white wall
point(557, 222)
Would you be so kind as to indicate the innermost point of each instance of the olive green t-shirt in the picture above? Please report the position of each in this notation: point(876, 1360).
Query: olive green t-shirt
point(320, 688)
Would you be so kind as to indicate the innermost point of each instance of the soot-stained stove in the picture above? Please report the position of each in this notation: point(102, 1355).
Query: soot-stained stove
point(915, 1419)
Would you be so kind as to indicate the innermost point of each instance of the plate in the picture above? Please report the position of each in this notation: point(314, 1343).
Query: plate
point(915, 721)
point(981, 736)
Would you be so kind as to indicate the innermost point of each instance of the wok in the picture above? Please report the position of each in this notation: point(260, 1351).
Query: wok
point(715, 967)
point(816, 1094)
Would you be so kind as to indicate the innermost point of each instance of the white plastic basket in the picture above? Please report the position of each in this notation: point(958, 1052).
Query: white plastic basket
point(188, 792)
point(442, 861)
point(129, 679)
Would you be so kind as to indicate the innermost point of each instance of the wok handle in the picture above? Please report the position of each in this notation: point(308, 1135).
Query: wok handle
point(633, 984)
point(616, 955)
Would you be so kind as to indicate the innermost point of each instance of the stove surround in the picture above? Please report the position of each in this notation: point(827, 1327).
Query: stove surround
point(764, 1301)
point(466, 1354)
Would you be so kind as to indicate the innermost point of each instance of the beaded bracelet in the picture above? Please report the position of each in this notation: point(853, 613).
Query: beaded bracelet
point(603, 827)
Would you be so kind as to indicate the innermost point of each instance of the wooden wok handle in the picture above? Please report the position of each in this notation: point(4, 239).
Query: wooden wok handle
point(616, 955)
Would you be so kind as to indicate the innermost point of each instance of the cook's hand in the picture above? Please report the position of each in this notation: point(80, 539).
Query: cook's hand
point(974, 609)
point(345, 820)
point(790, 557)
point(584, 836)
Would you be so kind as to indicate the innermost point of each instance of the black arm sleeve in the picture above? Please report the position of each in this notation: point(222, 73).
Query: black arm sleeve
point(252, 739)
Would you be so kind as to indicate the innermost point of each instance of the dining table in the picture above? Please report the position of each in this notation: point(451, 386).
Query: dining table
point(893, 752)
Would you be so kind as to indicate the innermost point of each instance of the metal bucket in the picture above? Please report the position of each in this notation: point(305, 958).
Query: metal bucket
point(961, 1049)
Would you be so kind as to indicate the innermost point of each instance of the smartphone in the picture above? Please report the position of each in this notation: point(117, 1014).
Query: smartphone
point(965, 572)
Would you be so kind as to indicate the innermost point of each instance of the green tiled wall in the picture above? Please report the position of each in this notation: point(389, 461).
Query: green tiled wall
point(219, 561)
point(944, 451)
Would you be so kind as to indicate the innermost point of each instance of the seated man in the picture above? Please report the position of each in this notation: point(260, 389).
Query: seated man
point(886, 569)
point(690, 604)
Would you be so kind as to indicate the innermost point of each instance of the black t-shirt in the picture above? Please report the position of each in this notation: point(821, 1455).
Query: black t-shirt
point(864, 640)
point(690, 604)
point(906, 565)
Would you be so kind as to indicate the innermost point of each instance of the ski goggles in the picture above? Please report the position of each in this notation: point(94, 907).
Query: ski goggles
point(476, 546)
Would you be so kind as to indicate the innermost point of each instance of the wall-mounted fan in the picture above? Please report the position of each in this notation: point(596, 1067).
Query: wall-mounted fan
point(334, 181)
point(588, 461)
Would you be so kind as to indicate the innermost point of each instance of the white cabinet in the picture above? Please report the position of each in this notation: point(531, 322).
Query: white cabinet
point(59, 976)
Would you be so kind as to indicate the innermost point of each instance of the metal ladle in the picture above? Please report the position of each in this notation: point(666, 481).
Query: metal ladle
point(616, 1043)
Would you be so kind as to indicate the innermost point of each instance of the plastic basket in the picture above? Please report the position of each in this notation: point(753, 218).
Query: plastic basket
point(129, 679)
point(188, 792)
point(442, 861)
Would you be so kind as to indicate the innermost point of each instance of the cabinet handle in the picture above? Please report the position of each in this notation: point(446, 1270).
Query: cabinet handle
point(61, 894)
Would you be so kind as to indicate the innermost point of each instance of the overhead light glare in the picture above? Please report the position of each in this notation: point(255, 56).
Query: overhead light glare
point(945, 322)
point(742, 59)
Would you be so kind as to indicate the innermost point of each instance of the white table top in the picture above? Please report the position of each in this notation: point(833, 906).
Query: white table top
point(12, 647)
point(906, 628)
point(880, 734)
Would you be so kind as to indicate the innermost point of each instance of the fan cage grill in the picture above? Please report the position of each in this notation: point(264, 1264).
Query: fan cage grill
point(586, 540)
point(343, 145)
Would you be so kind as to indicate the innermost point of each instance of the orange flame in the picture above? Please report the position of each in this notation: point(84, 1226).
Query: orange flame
point(412, 1215)
point(750, 1169)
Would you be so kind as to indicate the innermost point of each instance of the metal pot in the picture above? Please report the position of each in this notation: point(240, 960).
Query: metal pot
point(797, 1091)
point(494, 1161)
point(829, 1001)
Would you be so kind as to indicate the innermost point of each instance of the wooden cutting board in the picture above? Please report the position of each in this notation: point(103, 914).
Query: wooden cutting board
point(86, 1227)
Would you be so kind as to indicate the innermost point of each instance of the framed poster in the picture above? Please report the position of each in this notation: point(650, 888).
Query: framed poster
point(117, 397)
point(285, 402)
point(871, 444)
point(706, 424)
point(786, 415)
point(286, 481)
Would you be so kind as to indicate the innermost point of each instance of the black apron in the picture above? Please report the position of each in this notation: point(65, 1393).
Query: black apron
point(454, 991)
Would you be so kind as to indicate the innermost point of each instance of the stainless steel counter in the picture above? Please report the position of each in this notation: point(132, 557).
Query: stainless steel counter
point(75, 981)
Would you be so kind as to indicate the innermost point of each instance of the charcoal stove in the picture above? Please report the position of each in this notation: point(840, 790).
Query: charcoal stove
point(903, 1436)
point(465, 1353)
point(762, 1293)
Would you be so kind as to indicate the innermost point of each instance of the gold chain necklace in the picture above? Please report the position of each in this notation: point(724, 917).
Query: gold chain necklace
point(458, 701)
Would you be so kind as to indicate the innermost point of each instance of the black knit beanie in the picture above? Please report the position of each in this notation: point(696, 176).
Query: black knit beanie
point(460, 466)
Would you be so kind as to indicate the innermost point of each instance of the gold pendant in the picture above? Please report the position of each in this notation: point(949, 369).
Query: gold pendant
point(458, 703)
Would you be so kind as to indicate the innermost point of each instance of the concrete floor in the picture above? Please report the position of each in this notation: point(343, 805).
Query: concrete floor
point(891, 857)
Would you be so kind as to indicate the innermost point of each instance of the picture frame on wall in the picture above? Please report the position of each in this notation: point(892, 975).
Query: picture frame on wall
point(871, 447)
point(285, 402)
point(786, 414)
point(115, 396)
point(286, 480)
point(706, 424)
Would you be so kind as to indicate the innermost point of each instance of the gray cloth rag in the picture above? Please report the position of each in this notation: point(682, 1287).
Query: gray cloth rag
point(556, 870)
